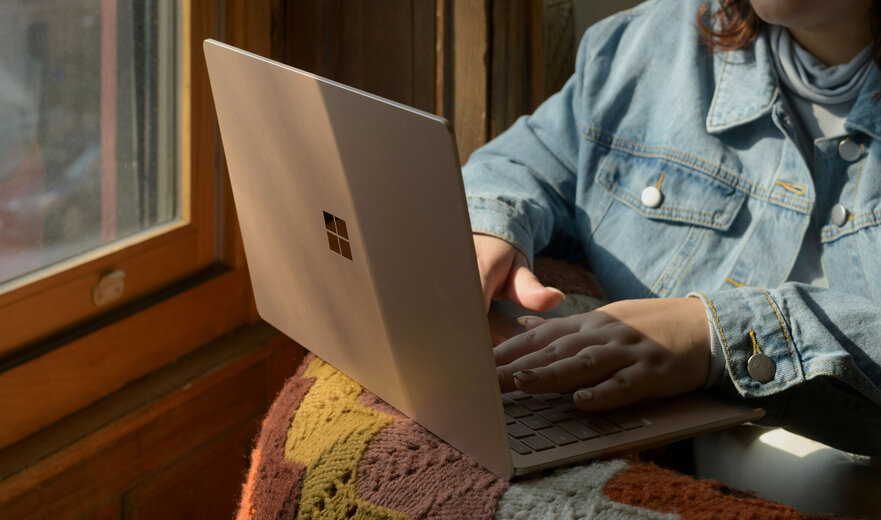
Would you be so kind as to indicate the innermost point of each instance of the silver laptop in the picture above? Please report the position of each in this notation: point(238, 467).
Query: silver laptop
point(358, 242)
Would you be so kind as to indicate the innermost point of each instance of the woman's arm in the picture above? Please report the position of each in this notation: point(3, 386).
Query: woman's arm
point(825, 348)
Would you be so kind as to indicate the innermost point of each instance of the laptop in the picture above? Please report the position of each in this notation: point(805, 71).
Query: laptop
point(356, 232)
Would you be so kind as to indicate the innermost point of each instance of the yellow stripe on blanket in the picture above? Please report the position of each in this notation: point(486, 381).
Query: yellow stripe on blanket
point(329, 435)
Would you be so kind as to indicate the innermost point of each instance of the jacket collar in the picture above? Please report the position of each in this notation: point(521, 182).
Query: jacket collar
point(746, 88)
point(865, 116)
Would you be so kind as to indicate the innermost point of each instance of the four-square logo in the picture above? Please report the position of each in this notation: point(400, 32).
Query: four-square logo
point(337, 235)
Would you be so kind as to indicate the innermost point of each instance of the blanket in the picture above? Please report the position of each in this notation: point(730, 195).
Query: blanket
point(329, 448)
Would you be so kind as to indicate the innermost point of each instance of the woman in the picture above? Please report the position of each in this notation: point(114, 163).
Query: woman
point(722, 178)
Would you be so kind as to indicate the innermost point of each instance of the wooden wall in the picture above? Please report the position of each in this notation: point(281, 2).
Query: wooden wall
point(479, 63)
point(172, 445)
point(386, 47)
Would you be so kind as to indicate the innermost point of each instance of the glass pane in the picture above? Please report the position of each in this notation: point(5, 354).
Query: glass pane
point(89, 126)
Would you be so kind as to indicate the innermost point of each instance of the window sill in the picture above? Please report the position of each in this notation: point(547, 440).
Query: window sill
point(43, 390)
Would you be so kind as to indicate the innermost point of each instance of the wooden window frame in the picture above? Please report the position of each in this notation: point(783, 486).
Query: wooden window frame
point(186, 284)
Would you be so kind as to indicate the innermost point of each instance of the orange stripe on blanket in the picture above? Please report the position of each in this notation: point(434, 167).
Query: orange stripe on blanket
point(665, 491)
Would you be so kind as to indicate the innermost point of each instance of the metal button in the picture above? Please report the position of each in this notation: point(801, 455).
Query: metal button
point(761, 367)
point(651, 197)
point(839, 215)
point(849, 150)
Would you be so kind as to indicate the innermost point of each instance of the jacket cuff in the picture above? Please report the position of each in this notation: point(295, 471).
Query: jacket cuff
point(495, 218)
point(751, 325)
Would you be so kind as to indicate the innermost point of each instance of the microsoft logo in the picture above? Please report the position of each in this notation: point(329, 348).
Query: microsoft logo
point(337, 235)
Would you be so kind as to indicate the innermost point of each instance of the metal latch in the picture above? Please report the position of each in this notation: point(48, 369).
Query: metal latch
point(108, 288)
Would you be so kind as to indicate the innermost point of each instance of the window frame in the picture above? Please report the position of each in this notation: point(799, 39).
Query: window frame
point(186, 284)
point(59, 296)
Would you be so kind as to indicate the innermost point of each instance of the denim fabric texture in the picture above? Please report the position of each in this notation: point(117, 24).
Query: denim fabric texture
point(649, 106)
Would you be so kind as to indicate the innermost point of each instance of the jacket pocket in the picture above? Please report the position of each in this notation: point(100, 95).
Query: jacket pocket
point(686, 195)
point(667, 228)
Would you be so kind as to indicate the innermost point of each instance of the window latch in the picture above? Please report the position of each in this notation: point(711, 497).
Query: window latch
point(109, 287)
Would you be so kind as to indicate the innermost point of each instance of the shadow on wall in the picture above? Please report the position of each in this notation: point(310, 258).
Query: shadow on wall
point(588, 12)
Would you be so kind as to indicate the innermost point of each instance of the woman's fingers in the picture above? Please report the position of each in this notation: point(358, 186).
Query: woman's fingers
point(624, 387)
point(622, 353)
point(504, 273)
point(527, 291)
point(495, 260)
point(534, 339)
point(585, 368)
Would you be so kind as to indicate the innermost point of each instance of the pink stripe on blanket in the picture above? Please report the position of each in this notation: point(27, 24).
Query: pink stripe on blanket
point(408, 469)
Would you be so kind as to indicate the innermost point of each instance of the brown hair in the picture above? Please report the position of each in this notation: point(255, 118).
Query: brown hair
point(739, 26)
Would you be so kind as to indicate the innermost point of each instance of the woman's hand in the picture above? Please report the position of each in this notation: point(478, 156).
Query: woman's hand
point(621, 353)
point(505, 274)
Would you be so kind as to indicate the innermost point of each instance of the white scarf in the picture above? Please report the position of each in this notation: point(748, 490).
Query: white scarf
point(810, 78)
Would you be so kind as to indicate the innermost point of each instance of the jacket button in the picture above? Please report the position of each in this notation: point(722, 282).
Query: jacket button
point(651, 197)
point(849, 150)
point(761, 367)
point(839, 215)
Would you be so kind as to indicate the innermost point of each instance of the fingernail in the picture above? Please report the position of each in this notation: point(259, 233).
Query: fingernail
point(524, 320)
point(526, 376)
point(558, 291)
point(584, 395)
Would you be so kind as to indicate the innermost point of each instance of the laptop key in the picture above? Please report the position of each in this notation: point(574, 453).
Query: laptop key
point(537, 442)
point(626, 422)
point(601, 425)
point(549, 398)
point(509, 419)
point(579, 430)
point(558, 436)
point(518, 446)
point(554, 415)
point(568, 406)
point(534, 404)
point(517, 395)
point(518, 431)
point(516, 411)
point(535, 422)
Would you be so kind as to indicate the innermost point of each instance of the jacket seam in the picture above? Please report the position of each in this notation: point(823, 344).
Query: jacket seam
point(534, 130)
point(870, 219)
point(671, 154)
point(842, 372)
point(501, 235)
point(684, 264)
point(659, 282)
point(856, 186)
point(783, 328)
point(595, 222)
point(687, 268)
point(706, 222)
point(712, 113)
point(627, 15)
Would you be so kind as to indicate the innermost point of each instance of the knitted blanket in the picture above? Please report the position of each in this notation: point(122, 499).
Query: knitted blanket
point(330, 449)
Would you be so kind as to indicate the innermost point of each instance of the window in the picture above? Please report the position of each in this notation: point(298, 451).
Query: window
point(116, 254)
point(95, 171)
point(89, 132)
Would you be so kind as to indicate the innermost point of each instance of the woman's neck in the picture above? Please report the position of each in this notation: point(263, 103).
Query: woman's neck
point(836, 42)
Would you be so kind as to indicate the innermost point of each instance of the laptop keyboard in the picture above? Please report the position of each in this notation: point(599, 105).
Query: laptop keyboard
point(537, 422)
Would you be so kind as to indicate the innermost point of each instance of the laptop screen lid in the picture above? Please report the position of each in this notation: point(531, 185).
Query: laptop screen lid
point(358, 242)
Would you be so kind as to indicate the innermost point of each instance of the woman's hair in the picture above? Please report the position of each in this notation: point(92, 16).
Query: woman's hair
point(738, 26)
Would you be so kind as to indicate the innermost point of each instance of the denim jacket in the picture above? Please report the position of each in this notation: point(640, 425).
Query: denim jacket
point(650, 107)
